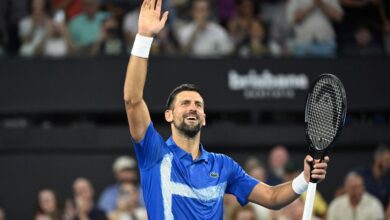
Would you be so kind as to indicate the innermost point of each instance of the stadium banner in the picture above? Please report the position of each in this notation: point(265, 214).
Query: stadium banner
point(96, 84)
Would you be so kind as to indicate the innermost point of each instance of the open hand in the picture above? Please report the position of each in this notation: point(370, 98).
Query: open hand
point(150, 20)
point(319, 168)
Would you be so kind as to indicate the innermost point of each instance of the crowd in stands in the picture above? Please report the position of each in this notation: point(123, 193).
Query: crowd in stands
point(365, 194)
point(199, 28)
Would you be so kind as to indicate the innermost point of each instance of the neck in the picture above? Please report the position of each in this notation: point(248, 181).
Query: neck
point(189, 145)
point(354, 201)
point(376, 170)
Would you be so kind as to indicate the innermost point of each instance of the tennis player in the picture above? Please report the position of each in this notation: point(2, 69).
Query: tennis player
point(180, 179)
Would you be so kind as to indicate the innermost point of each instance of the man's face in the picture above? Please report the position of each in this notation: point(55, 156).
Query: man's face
point(200, 10)
point(354, 187)
point(127, 176)
point(90, 7)
point(187, 113)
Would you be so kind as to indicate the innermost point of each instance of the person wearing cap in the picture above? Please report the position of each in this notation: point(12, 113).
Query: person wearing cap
point(125, 171)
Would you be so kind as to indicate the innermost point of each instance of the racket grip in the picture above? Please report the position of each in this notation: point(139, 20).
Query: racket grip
point(309, 202)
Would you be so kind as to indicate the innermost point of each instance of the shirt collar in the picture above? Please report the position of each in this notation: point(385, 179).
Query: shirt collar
point(204, 156)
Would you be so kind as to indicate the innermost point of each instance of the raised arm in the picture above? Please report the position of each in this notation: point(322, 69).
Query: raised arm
point(150, 23)
point(276, 197)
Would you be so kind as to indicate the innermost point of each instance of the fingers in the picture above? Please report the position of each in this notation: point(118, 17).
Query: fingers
point(158, 5)
point(152, 4)
point(164, 19)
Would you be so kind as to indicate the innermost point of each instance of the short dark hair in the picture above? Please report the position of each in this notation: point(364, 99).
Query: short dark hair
point(179, 89)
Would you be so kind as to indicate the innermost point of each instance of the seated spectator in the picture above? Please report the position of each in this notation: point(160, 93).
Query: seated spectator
point(85, 28)
point(312, 22)
point(110, 42)
point(384, 8)
point(128, 206)
point(57, 41)
point(32, 28)
point(72, 8)
point(277, 160)
point(165, 43)
point(226, 11)
point(358, 14)
point(48, 204)
point(273, 15)
point(356, 204)
point(246, 31)
point(293, 211)
point(125, 171)
point(83, 205)
point(363, 44)
point(2, 214)
point(246, 212)
point(202, 37)
point(376, 176)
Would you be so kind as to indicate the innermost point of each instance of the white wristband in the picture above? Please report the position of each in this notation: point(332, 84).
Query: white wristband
point(299, 184)
point(141, 46)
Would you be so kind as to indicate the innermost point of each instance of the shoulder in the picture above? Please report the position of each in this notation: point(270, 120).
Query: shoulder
point(338, 202)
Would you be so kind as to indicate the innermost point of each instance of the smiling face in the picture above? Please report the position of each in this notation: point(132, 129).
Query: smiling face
point(187, 113)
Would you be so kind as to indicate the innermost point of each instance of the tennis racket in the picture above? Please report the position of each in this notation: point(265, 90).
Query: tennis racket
point(326, 107)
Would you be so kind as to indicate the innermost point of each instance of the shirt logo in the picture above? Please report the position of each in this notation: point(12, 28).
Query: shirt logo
point(214, 174)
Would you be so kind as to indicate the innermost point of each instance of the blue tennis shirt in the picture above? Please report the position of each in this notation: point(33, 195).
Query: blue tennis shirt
point(177, 187)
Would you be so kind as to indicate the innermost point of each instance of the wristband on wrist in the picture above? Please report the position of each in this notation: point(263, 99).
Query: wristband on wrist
point(299, 184)
point(141, 46)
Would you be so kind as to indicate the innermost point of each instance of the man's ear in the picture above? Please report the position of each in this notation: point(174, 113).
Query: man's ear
point(168, 115)
point(204, 120)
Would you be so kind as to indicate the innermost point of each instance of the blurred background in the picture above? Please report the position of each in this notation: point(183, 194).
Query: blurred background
point(63, 128)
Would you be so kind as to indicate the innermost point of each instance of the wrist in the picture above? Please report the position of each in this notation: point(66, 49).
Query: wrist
point(299, 184)
point(145, 33)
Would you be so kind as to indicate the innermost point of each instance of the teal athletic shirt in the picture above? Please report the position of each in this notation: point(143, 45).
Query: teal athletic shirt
point(177, 187)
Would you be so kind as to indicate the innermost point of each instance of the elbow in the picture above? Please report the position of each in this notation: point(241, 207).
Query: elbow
point(132, 100)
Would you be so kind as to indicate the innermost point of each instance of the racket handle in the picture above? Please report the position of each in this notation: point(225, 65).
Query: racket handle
point(309, 202)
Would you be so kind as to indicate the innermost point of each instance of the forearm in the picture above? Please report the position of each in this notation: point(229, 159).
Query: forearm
point(135, 80)
point(302, 13)
point(331, 12)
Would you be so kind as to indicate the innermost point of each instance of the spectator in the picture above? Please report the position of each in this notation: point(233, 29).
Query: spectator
point(246, 212)
point(32, 28)
point(72, 8)
point(384, 8)
point(110, 42)
point(2, 214)
point(277, 161)
point(363, 44)
point(165, 43)
point(202, 37)
point(83, 207)
point(128, 206)
point(246, 30)
point(358, 14)
point(48, 204)
point(376, 177)
point(273, 14)
point(226, 11)
point(312, 22)
point(294, 211)
point(125, 171)
point(356, 204)
point(85, 29)
point(57, 41)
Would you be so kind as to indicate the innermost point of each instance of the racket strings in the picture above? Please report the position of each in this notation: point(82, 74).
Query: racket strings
point(325, 112)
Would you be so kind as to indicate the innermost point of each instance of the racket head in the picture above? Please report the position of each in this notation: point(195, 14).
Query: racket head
point(325, 111)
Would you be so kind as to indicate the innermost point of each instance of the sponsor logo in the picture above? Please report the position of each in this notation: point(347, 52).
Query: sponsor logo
point(265, 84)
point(214, 174)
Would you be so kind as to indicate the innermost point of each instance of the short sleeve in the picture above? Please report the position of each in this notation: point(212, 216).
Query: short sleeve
point(240, 183)
point(150, 149)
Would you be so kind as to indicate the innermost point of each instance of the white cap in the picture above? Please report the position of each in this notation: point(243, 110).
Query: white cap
point(124, 162)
